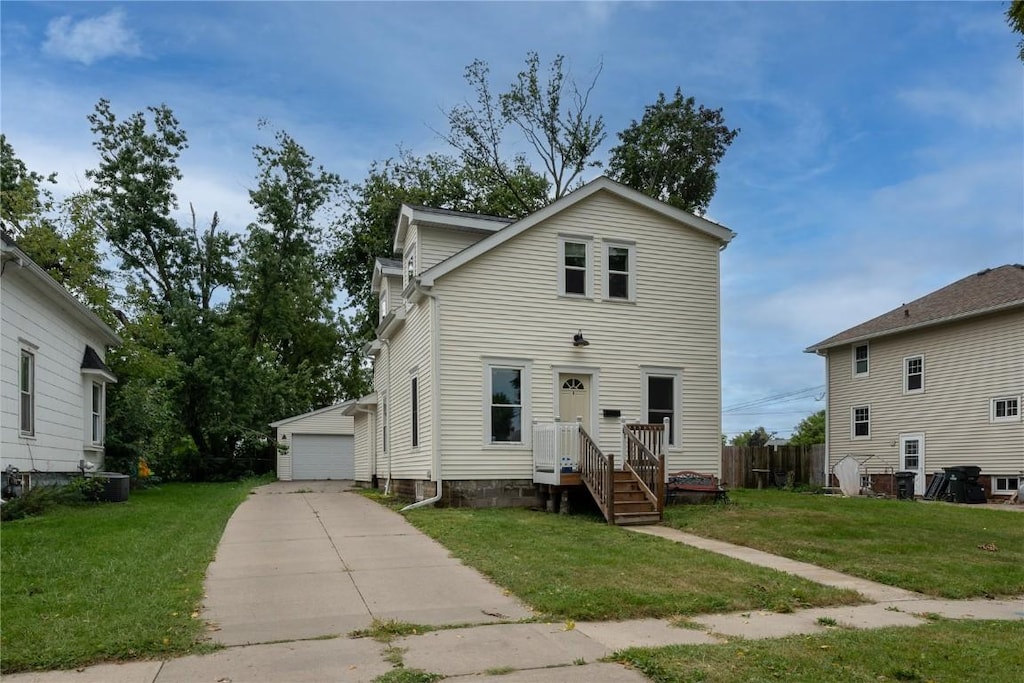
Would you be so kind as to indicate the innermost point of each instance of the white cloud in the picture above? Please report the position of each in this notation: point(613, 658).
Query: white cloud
point(91, 40)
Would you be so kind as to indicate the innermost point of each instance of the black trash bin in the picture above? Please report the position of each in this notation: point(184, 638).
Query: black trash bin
point(963, 484)
point(905, 485)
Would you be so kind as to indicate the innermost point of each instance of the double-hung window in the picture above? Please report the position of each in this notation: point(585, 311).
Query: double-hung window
point(620, 271)
point(913, 375)
point(574, 259)
point(860, 359)
point(861, 419)
point(1005, 409)
point(27, 384)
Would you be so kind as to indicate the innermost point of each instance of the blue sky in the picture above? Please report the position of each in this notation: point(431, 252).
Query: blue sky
point(881, 152)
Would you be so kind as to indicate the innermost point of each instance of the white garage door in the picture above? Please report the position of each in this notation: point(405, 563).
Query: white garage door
point(323, 456)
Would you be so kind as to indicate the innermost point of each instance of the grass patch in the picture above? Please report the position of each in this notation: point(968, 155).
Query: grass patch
point(941, 652)
point(573, 567)
point(111, 581)
point(408, 676)
point(930, 548)
point(386, 630)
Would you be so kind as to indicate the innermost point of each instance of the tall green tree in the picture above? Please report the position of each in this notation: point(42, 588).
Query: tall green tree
point(287, 287)
point(672, 153)
point(551, 117)
point(810, 431)
point(24, 194)
point(754, 438)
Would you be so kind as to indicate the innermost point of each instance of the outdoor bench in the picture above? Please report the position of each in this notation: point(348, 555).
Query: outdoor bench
point(688, 484)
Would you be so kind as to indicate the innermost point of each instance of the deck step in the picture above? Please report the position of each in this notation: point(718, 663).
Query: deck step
point(636, 518)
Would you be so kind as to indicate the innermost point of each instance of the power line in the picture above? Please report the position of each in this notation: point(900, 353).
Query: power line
point(785, 397)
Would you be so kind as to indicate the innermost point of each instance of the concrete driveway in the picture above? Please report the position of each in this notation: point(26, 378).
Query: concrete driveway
point(300, 560)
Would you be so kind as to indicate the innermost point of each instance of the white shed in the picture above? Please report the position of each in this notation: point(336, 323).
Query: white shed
point(316, 445)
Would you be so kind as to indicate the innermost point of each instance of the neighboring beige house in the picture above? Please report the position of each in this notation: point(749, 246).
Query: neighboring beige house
point(316, 445)
point(53, 403)
point(932, 384)
point(599, 308)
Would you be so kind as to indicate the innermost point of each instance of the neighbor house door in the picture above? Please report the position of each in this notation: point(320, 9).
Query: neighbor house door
point(912, 459)
point(574, 399)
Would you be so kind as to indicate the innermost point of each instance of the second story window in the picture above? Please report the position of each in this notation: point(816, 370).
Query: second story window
point(860, 359)
point(27, 381)
point(620, 278)
point(574, 263)
point(913, 374)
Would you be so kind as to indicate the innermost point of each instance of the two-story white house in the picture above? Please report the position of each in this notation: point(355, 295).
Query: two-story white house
point(932, 384)
point(500, 339)
point(53, 374)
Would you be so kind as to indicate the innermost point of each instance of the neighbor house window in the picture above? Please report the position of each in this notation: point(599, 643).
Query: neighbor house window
point(27, 383)
point(1006, 409)
point(1008, 485)
point(97, 413)
point(860, 359)
point(506, 402)
point(574, 255)
point(619, 271)
point(913, 374)
point(861, 422)
point(661, 390)
point(415, 396)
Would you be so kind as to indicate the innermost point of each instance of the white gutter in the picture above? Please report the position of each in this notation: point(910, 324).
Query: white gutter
point(435, 393)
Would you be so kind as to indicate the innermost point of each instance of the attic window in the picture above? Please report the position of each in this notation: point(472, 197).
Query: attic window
point(574, 258)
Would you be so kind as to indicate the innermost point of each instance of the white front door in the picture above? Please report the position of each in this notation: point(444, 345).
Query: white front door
point(912, 459)
point(574, 398)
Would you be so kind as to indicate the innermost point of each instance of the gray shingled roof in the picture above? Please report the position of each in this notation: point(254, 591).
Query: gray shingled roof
point(989, 290)
point(389, 262)
point(453, 212)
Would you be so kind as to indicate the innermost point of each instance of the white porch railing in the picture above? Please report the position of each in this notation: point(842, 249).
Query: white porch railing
point(556, 449)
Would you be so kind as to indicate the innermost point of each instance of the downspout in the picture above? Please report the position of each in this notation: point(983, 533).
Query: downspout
point(387, 417)
point(435, 393)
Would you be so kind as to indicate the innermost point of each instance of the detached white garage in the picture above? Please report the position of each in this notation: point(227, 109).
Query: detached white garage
point(318, 445)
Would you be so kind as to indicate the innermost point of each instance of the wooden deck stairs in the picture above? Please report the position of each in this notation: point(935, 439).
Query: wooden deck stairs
point(635, 494)
point(632, 507)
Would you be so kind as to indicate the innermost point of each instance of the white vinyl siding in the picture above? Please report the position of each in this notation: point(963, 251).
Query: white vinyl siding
point(500, 305)
point(967, 363)
point(437, 244)
point(31, 321)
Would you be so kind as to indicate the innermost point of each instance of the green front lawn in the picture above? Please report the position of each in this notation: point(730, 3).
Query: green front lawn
point(110, 581)
point(577, 567)
point(940, 652)
point(928, 547)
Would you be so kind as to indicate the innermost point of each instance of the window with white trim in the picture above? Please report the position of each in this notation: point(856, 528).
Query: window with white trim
point(860, 359)
point(384, 423)
point(574, 259)
point(860, 417)
point(97, 420)
point(27, 384)
point(1005, 409)
point(410, 265)
point(506, 402)
point(1005, 484)
point(913, 375)
point(619, 271)
point(661, 391)
point(415, 399)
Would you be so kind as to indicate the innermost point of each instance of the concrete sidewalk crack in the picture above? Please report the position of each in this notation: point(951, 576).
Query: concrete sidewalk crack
point(348, 570)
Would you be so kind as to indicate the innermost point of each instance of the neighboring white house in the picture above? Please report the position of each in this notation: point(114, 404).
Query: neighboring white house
point(316, 445)
point(52, 372)
point(932, 384)
point(601, 307)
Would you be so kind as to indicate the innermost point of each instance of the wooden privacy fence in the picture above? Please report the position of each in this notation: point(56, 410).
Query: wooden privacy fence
point(747, 467)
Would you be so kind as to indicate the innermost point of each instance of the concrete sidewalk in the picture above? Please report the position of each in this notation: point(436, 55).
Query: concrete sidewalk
point(302, 564)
